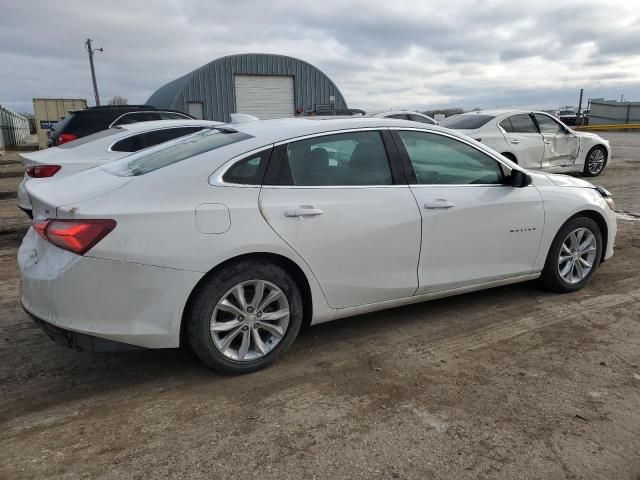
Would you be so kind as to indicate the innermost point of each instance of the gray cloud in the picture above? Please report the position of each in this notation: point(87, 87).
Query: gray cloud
point(381, 54)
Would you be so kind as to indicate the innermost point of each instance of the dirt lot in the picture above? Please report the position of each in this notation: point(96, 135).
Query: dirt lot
point(507, 383)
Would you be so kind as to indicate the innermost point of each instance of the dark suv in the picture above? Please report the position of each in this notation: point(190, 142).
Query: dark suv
point(81, 123)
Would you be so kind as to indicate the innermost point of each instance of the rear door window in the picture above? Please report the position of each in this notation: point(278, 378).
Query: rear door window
point(345, 159)
point(523, 123)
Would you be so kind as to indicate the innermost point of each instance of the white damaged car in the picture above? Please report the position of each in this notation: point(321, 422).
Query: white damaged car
point(233, 238)
point(535, 140)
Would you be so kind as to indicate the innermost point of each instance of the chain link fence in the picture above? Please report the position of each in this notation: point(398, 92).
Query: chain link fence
point(14, 128)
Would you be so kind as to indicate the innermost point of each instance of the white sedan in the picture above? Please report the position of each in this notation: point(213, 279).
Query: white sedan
point(98, 148)
point(233, 238)
point(535, 140)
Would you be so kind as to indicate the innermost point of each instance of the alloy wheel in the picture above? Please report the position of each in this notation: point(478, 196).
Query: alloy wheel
point(249, 320)
point(577, 255)
point(595, 163)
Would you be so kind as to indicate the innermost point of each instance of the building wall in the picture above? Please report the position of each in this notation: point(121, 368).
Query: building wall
point(48, 111)
point(612, 112)
point(213, 84)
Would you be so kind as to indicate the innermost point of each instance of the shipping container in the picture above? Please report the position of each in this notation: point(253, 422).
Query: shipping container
point(48, 111)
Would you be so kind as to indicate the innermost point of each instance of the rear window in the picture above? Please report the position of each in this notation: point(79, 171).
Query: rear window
point(466, 122)
point(62, 124)
point(90, 138)
point(196, 144)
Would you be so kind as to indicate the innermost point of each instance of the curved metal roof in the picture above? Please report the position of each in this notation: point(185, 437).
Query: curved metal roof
point(212, 84)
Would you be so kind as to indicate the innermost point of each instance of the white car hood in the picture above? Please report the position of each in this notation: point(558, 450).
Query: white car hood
point(591, 135)
point(568, 181)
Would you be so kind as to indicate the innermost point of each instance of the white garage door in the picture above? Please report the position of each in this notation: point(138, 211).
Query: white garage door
point(264, 96)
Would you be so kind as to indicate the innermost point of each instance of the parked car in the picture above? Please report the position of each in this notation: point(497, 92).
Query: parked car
point(98, 148)
point(568, 117)
point(235, 237)
point(407, 115)
point(81, 123)
point(535, 140)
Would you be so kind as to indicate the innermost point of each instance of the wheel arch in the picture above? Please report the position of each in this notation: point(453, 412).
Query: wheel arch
point(596, 217)
point(291, 267)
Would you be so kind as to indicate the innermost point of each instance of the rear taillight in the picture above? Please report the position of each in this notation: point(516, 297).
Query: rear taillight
point(42, 171)
point(77, 236)
point(65, 137)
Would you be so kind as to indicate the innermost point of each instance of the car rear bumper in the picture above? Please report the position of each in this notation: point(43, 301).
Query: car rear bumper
point(78, 341)
point(24, 202)
point(123, 302)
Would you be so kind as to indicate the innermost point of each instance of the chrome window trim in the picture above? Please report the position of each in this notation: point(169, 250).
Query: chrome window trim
point(112, 124)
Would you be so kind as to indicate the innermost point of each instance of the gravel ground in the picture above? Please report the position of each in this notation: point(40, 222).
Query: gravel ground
point(507, 383)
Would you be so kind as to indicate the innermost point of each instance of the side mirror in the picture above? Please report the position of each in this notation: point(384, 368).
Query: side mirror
point(519, 179)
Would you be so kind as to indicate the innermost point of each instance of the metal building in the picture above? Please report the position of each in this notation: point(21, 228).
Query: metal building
point(263, 85)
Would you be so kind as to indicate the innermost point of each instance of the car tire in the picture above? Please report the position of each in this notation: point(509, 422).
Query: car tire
point(566, 268)
point(216, 313)
point(595, 161)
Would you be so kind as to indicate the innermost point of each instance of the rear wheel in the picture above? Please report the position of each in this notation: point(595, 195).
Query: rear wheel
point(245, 317)
point(574, 256)
point(595, 162)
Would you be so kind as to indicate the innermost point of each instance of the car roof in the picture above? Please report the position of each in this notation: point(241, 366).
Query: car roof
point(287, 128)
point(156, 124)
point(500, 112)
point(393, 112)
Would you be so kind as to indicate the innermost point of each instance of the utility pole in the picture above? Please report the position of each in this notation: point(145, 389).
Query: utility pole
point(579, 118)
point(90, 50)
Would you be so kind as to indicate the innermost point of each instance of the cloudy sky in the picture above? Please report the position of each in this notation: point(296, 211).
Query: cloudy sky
point(384, 54)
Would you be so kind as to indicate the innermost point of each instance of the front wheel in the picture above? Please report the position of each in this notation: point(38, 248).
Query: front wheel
point(595, 162)
point(245, 317)
point(574, 256)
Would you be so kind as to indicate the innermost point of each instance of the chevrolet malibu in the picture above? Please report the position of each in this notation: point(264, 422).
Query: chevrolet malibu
point(233, 238)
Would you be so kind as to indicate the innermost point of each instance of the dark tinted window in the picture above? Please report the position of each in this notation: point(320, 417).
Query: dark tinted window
point(506, 125)
point(129, 144)
point(196, 144)
point(399, 116)
point(421, 119)
point(160, 136)
point(248, 171)
point(355, 158)
point(440, 160)
point(60, 126)
point(469, 121)
point(523, 123)
point(548, 124)
point(90, 138)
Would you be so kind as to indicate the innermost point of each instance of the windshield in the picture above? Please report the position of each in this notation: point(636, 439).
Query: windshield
point(567, 112)
point(466, 122)
point(186, 147)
